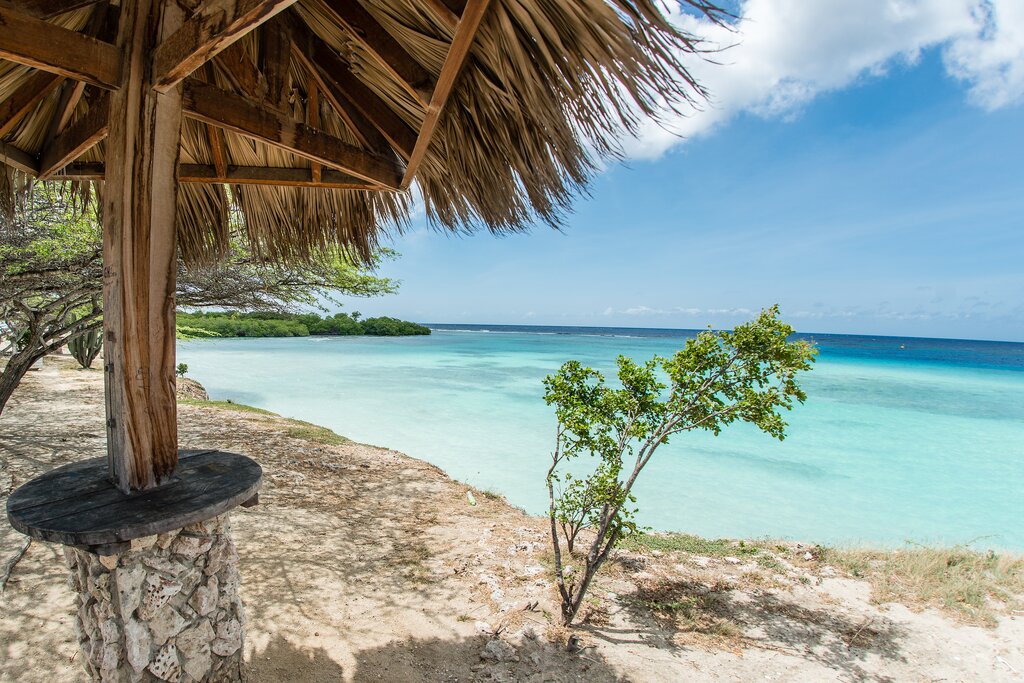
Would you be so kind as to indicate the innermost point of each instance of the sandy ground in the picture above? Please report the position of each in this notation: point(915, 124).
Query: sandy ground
point(363, 564)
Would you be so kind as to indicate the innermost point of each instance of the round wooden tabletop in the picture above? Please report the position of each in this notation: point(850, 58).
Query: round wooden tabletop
point(78, 505)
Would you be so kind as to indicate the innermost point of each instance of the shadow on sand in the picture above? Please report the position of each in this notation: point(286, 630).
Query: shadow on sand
point(435, 660)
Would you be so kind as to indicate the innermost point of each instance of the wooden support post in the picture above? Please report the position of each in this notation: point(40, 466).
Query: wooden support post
point(140, 262)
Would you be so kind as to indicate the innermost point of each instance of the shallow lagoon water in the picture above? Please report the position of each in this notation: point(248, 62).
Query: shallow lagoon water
point(900, 440)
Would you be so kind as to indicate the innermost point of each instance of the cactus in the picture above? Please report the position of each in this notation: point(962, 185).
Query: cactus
point(86, 346)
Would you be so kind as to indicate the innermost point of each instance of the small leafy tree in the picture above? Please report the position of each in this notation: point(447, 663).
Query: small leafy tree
point(718, 378)
point(181, 370)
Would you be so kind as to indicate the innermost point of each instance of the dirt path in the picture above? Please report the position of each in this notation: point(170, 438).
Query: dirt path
point(363, 564)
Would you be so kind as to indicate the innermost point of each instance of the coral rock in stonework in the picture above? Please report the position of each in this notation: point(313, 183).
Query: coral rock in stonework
point(166, 609)
point(229, 638)
point(204, 600)
point(158, 591)
point(194, 648)
point(128, 582)
point(191, 547)
point(166, 624)
point(166, 666)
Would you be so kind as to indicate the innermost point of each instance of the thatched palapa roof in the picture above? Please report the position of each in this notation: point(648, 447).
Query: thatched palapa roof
point(313, 117)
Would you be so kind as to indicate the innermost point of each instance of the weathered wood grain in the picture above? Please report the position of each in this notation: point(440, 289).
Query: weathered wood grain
point(19, 159)
point(27, 40)
point(348, 93)
point(103, 25)
point(70, 95)
point(215, 25)
point(220, 155)
point(140, 260)
point(80, 136)
point(78, 504)
point(235, 61)
point(365, 131)
point(239, 175)
point(241, 115)
point(275, 53)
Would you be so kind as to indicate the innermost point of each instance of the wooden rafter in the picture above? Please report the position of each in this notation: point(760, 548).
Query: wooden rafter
point(79, 137)
point(19, 159)
point(45, 46)
point(348, 93)
point(458, 54)
point(244, 116)
point(215, 25)
point(238, 175)
point(103, 25)
point(220, 157)
point(235, 61)
point(369, 33)
point(70, 95)
point(261, 175)
point(25, 98)
point(366, 132)
point(275, 51)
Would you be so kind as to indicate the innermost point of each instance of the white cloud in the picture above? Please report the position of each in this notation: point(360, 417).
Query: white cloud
point(643, 310)
point(784, 53)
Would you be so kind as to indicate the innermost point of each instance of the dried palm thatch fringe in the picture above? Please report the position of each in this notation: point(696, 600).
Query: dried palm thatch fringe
point(550, 88)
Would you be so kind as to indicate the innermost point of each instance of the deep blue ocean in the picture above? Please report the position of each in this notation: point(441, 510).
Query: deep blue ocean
point(901, 439)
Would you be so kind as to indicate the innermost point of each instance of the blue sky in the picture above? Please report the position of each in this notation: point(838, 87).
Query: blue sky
point(881, 194)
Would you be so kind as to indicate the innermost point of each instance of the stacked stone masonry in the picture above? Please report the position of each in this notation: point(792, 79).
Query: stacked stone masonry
point(168, 609)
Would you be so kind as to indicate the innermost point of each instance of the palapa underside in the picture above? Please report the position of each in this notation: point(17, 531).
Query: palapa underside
point(313, 118)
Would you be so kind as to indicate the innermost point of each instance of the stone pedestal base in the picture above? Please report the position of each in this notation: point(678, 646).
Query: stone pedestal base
point(166, 609)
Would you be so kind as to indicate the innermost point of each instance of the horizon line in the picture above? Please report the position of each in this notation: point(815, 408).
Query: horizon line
point(701, 329)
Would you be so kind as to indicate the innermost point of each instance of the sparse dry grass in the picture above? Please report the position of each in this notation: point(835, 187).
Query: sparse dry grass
point(760, 551)
point(226, 405)
point(692, 608)
point(974, 586)
point(314, 433)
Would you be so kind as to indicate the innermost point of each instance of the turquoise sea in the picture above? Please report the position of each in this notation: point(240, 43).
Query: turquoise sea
point(901, 439)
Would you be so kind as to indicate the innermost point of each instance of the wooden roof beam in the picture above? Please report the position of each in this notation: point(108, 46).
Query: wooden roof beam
point(25, 98)
point(19, 159)
point(366, 132)
point(252, 119)
point(458, 54)
point(220, 155)
point(239, 175)
point(215, 25)
point(235, 61)
point(79, 137)
point(275, 53)
point(261, 175)
point(369, 33)
point(36, 43)
point(347, 93)
point(103, 25)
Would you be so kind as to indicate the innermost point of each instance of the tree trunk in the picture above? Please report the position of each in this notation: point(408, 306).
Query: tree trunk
point(16, 368)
